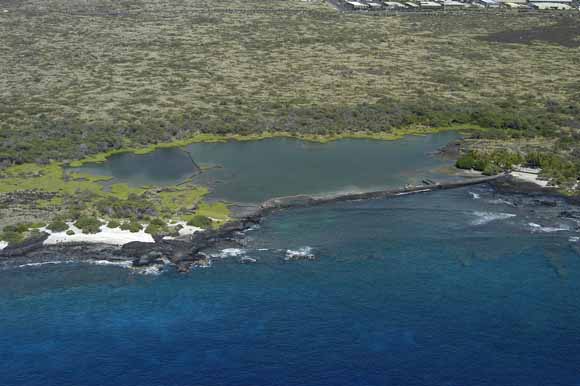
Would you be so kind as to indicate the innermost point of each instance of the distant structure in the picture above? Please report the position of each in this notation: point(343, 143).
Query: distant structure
point(445, 5)
point(396, 5)
point(454, 4)
point(355, 5)
point(430, 5)
point(488, 3)
point(551, 6)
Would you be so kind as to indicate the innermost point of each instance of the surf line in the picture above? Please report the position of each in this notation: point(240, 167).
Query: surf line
point(303, 200)
point(201, 241)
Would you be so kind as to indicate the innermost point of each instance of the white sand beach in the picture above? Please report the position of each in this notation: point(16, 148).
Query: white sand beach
point(112, 236)
point(529, 177)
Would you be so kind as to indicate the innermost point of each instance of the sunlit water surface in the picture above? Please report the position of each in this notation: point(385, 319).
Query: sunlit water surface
point(451, 288)
point(254, 171)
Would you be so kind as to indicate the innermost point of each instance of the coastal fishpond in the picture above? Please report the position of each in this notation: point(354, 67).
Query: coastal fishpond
point(253, 171)
point(448, 288)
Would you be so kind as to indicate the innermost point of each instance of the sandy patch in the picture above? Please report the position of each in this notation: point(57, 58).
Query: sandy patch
point(529, 177)
point(3, 244)
point(185, 231)
point(113, 236)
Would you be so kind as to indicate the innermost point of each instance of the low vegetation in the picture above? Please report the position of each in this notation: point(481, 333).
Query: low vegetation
point(57, 226)
point(83, 80)
point(200, 221)
point(165, 72)
point(56, 196)
point(562, 172)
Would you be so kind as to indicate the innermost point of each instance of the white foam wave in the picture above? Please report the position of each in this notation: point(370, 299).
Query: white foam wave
point(149, 270)
point(153, 270)
point(230, 252)
point(499, 201)
point(486, 217)
point(300, 253)
point(574, 239)
point(43, 263)
point(538, 228)
point(475, 196)
point(124, 264)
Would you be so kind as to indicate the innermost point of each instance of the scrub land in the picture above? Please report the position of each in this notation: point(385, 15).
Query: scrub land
point(82, 81)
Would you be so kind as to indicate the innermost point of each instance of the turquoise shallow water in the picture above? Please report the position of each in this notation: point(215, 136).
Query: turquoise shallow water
point(254, 171)
point(447, 288)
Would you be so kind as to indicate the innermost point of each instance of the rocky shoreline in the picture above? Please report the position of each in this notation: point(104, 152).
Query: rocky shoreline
point(188, 252)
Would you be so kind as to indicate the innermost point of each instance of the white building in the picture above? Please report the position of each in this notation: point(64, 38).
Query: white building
point(395, 5)
point(551, 6)
point(454, 4)
point(355, 4)
point(429, 4)
point(488, 3)
point(514, 5)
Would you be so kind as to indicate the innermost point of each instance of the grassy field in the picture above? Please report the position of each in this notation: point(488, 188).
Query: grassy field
point(84, 77)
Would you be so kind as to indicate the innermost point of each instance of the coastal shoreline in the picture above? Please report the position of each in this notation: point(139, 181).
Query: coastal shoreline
point(189, 250)
point(392, 135)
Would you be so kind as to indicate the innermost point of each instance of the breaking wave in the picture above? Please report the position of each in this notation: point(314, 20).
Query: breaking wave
point(538, 228)
point(486, 217)
point(123, 264)
point(300, 253)
point(43, 263)
point(501, 201)
point(230, 252)
point(149, 270)
point(474, 195)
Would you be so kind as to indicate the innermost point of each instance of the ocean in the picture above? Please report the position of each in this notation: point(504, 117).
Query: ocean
point(450, 288)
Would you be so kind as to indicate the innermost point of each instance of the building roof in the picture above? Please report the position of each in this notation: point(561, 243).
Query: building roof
point(398, 5)
point(551, 6)
point(551, 1)
point(453, 3)
point(429, 4)
point(412, 5)
point(488, 1)
point(356, 4)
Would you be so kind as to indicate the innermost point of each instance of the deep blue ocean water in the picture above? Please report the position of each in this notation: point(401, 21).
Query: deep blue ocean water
point(437, 289)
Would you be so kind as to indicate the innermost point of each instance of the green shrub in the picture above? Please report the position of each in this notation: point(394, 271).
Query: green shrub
point(114, 224)
point(12, 237)
point(88, 224)
point(200, 221)
point(18, 228)
point(57, 226)
point(471, 160)
point(491, 169)
point(131, 226)
point(158, 222)
point(70, 232)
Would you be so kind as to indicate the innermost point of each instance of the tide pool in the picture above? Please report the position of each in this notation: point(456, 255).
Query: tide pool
point(452, 288)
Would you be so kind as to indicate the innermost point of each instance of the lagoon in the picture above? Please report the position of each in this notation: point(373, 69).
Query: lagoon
point(253, 171)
